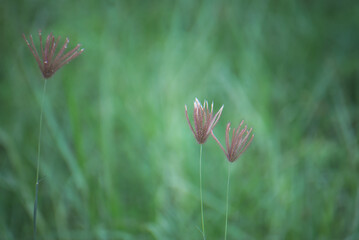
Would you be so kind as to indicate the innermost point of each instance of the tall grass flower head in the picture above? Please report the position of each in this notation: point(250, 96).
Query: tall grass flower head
point(203, 119)
point(239, 143)
point(49, 63)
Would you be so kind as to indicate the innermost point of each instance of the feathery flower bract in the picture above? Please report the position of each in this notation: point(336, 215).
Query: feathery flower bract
point(50, 63)
point(204, 120)
point(239, 141)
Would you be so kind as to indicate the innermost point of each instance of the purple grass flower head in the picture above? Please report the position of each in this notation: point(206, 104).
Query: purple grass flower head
point(49, 63)
point(204, 120)
point(239, 144)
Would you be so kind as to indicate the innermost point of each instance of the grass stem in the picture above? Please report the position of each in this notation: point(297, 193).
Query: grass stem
point(38, 159)
point(228, 179)
point(200, 189)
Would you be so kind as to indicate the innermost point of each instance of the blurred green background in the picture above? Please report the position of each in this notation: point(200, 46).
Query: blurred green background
point(118, 159)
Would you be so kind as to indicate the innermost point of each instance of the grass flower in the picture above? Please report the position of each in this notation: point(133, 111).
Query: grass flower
point(235, 148)
point(204, 120)
point(50, 63)
point(239, 142)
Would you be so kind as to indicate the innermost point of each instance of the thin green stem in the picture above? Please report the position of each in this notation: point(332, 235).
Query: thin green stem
point(228, 179)
point(200, 189)
point(38, 159)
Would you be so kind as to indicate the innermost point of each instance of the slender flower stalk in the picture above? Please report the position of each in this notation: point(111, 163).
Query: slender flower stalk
point(235, 148)
point(38, 158)
point(227, 198)
point(49, 63)
point(200, 190)
point(204, 122)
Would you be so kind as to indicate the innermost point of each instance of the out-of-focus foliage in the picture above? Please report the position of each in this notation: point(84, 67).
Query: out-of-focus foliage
point(118, 159)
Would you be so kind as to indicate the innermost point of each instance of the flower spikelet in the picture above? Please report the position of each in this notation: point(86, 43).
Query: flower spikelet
point(49, 63)
point(203, 119)
point(239, 142)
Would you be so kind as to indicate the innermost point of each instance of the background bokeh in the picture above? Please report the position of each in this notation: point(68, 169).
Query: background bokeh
point(118, 159)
